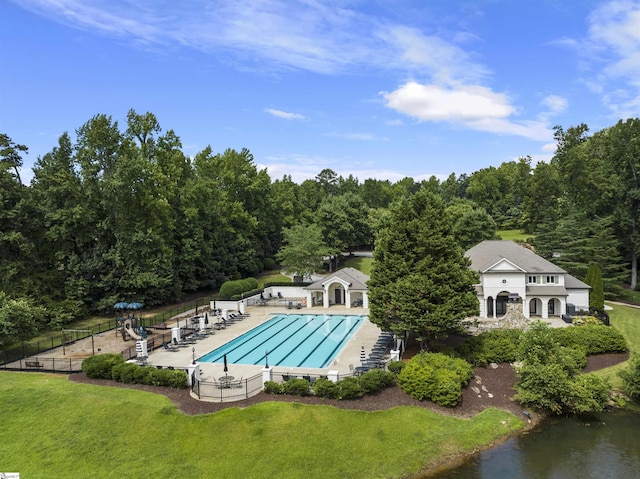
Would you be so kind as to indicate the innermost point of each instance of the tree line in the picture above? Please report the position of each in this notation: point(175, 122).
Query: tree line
point(123, 214)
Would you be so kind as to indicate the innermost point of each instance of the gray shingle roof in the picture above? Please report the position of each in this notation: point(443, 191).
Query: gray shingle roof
point(356, 279)
point(488, 253)
point(571, 282)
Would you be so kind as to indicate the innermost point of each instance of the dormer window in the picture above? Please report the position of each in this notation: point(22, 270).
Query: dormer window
point(532, 279)
point(551, 279)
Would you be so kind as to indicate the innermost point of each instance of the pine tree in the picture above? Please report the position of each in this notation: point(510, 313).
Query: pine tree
point(420, 280)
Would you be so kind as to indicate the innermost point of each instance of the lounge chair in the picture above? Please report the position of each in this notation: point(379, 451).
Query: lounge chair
point(166, 347)
point(285, 377)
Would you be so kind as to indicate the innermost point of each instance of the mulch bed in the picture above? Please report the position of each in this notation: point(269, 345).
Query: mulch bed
point(491, 387)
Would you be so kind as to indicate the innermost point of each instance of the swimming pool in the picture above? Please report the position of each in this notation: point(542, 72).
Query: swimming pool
point(294, 340)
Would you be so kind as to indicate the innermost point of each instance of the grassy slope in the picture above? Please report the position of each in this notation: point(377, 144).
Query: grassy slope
point(625, 319)
point(53, 428)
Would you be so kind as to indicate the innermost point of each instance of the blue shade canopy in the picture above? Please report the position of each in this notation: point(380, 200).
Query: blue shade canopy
point(121, 305)
point(135, 305)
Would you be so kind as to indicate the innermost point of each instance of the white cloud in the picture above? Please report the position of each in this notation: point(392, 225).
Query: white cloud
point(285, 114)
point(443, 61)
point(611, 52)
point(435, 103)
point(555, 103)
point(358, 136)
point(473, 106)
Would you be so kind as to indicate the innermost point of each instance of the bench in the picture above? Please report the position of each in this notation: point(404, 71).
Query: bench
point(34, 364)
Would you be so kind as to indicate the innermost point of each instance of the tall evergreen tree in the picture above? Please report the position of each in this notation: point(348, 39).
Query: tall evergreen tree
point(420, 281)
point(594, 279)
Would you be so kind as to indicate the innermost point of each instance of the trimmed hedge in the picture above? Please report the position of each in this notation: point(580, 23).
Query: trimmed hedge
point(594, 339)
point(297, 387)
point(348, 388)
point(100, 366)
point(236, 287)
point(113, 366)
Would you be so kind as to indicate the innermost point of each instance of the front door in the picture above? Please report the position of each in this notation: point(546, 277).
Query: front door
point(338, 296)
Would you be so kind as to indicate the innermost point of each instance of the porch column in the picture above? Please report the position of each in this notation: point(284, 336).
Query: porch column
point(495, 304)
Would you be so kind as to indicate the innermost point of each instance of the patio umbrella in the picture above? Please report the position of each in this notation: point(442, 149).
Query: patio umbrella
point(363, 354)
point(206, 318)
point(121, 305)
point(225, 365)
point(134, 306)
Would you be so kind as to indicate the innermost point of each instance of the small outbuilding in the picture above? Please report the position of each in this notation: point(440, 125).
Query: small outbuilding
point(347, 287)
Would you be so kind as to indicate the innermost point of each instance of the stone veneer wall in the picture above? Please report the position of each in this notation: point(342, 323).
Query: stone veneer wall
point(514, 317)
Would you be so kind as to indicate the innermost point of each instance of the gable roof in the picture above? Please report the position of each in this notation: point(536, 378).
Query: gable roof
point(571, 282)
point(357, 279)
point(489, 253)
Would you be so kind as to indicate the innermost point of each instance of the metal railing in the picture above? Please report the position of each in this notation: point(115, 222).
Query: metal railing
point(54, 365)
point(228, 391)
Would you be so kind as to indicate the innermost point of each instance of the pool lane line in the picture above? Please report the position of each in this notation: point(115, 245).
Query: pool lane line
point(287, 339)
point(312, 333)
point(326, 336)
point(249, 338)
point(341, 344)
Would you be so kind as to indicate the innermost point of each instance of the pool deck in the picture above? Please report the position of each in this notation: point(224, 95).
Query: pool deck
point(367, 334)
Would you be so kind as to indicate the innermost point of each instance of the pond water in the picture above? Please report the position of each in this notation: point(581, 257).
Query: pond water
point(606, 447)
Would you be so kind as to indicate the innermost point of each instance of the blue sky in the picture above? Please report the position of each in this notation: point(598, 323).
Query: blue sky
point(377, 89)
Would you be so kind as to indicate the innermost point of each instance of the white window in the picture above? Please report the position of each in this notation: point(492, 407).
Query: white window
point(532, 279)
point(550, 279)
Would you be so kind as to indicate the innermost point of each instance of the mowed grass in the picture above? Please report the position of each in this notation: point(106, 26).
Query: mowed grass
point(625, 319)
point(360, 263)
point(53, 428)
point(513, 235)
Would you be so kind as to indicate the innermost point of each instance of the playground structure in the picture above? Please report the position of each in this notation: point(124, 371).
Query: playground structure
point(136, 332)
point(128, 326)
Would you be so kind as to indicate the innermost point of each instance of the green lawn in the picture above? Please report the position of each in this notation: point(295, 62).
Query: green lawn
point(54, 428)
point(513, 235)
point(625, 319)
point(360, 263)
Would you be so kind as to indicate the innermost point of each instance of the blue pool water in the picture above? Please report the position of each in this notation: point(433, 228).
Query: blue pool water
point(294, 340)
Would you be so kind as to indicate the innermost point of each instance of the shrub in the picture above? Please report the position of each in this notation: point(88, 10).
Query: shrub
point(125, 373)
point(594, 339)
point(498, 346)
point(396, 366)
point(447, 391)
point(177, 379)
point(100, 366)
point(272, 387)
point(253, 283)
point(422, 375)
point(269, 263)
point(325, 389)
point(296, 387)
point(245, 285)
point(631, 378)
point(549, 376)
point(375, 380)
point(349, 388)
point(230, 288)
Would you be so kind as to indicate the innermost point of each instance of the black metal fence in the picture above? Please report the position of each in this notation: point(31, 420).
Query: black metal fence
point(33, 348)
point(228, 391)
point(54, 365)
